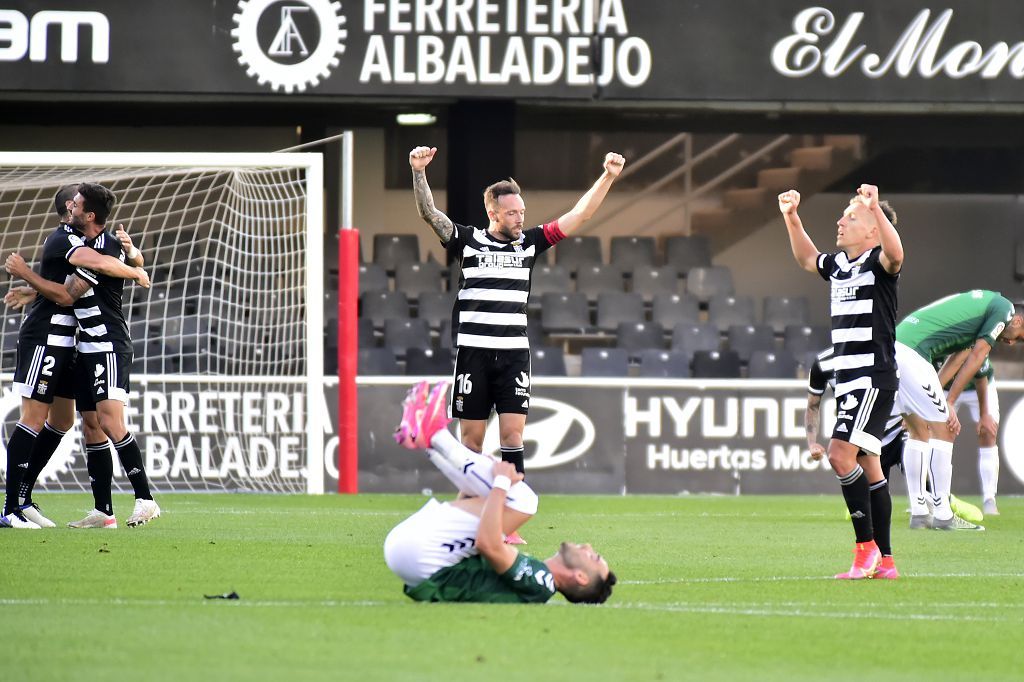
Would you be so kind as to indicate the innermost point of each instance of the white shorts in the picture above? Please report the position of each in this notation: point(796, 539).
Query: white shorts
point(437, 536)
point(920, 391)
point(970, 399)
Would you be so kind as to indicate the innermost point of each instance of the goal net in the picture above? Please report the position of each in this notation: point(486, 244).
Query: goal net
point(227, 379)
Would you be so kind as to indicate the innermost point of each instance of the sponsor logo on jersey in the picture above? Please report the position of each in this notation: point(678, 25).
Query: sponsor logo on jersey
point(998, 330)
point(459, 402)
point(849, 402)
point(42, 388)
point(842, 428)
point(98, 370)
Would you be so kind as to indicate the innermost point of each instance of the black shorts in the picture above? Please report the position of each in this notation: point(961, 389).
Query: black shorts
point(43, 372)
point(861, 417)
point(101, 376)
point(486, 378)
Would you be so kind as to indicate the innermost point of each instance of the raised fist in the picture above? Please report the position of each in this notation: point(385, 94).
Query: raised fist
point(789, 201)
point(613, 163)
point(420, 157)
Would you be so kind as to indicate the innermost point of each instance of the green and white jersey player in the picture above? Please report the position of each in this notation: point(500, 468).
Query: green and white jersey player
point(977, 319)
point(455, 551)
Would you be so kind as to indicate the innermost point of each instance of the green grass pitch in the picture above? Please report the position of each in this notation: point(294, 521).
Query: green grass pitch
point(712, 588)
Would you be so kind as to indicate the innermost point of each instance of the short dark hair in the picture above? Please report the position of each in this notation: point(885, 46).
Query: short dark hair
point(888, 210)
point(62, 197)
point(500, 189)
point(97, 199)
point(596, 592)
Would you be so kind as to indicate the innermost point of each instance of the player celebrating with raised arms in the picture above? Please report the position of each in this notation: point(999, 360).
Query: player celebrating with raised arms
point(863, 276)
point(492, 366)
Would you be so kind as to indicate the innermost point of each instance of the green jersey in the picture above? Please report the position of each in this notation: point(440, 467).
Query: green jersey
point(473, 580)
point(954, 323)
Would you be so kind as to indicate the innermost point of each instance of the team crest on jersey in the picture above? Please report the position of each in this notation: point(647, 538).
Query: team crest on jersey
point(75, 240)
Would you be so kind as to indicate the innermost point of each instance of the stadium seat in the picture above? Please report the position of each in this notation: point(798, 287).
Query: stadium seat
point(377, 361)
point(573, 252)
point(435, 307)
point(664, 364)
point(604, 362)
point(632, 252)
point(744, 339)
point(613, 308)
point(444, 335)
point(800, 340)
point(547, 361)
point(367, 338)
point(564, 313)
point(767, 364)
point(705, 283)
point(691, 338)
point(726, 311)
point(372, 278)
point(686, 253)
point(400, 335)
point(418, 278)
point(428, 362)
point(668, 310)
point(650, 281)
point(595, 279)
point(548, 279)
point(782, 311)
point(636, 337)
point(393, 251)
point(716, 364)
point(380, 306)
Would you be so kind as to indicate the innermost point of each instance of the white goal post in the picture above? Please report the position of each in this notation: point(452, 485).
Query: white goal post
point(227, 383)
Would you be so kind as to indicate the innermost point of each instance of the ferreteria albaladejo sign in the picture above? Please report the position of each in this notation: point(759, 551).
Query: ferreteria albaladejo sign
point(728, 50)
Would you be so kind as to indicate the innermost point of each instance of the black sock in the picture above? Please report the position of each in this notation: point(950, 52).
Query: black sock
point(19, 450)
point(131, 459)
point(514, 455)
point(101, 474)
point(46, 444)
point(858, 501)
point(881, 515)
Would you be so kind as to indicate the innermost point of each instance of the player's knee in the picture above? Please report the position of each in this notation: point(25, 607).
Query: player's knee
point(522, 498)
point(61, 423)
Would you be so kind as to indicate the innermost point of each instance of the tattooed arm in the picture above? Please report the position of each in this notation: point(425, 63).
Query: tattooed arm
point(811, 417)
point(419, 159)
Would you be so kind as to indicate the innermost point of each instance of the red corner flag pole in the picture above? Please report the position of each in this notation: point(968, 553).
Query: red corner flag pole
point(348, 352)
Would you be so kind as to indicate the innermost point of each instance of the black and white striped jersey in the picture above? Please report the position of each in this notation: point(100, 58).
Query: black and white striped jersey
point(101, 324)
point(47, 323)
point(490, 311)
point(823, 376)
point(863, 320)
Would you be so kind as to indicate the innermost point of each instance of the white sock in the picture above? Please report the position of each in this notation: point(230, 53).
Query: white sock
point(941, 472)
point(473, 472)
point(917, 456)
point(988, 470)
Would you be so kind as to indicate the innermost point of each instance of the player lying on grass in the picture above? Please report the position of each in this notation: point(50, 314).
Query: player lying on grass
point(455, 551)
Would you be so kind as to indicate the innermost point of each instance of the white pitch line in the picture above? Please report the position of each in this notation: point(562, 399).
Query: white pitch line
point(791, 578)
point(798, 613)
point(116, 601)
